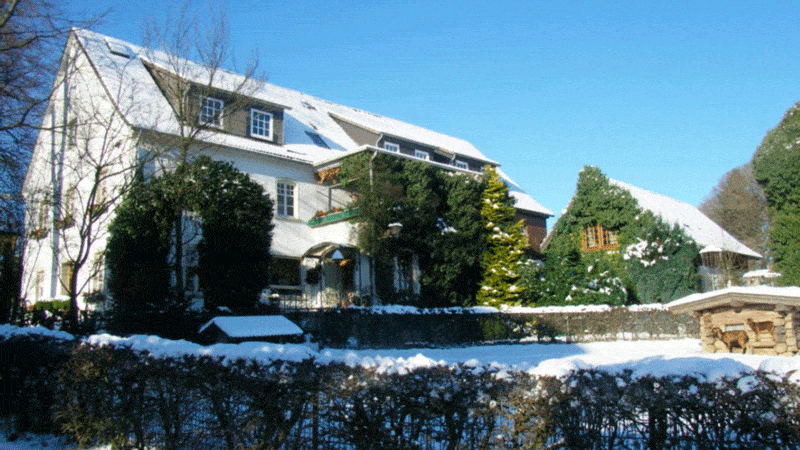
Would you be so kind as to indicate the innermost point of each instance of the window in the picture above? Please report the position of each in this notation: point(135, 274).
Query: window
point(421, 154)
point(285, 199)
point(260, 124)
point(284, 272)
point(66, 273)
point(596, 237)
point(72, 133)
point(99, 275)
point(211, 111)
point(39, 283)
point(391, 147)
point(462, 164)
point(317, 139)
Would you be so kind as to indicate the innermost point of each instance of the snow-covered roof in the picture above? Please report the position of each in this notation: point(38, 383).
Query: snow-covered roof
point(752, 294)
point(761, 273)
point(708, 235)
point(523, 200)
point(254, 326)
point(122, 70)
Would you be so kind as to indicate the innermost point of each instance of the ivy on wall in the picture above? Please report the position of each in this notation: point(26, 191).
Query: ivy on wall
point(654, 262)
point(441, 227)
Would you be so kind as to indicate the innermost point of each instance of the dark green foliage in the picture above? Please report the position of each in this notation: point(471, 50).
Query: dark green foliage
point(440, 220)
point(663, 264)
point(27, 365)
point(654, 263)
point(10, 278)
point(137, 251)
point(233, 251)
point(237, 226)
point(776, 166)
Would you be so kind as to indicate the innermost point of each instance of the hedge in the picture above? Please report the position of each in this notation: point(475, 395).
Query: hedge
point(117, 396)
point(365, 328)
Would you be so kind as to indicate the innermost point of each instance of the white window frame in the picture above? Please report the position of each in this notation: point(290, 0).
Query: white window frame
point(282, 205)
point(392, 147)
point(461, 164)
point(214, 106)
point(422, 154)
point(256, 117)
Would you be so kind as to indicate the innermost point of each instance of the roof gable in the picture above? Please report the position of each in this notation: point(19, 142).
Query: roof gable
point(697, 225)
point(240, 327)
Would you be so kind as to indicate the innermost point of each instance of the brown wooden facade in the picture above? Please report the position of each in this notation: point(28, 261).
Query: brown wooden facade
point(769, 317)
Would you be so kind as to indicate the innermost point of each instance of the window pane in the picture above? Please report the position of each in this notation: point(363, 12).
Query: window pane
point(285, 203)
point(211, 111)
point(391, 147)
point(260, 124)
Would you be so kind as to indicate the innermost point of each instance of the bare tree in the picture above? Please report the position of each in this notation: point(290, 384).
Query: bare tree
point(738, 205)
point(192, 70)
point(84, 162)
point(32, 35)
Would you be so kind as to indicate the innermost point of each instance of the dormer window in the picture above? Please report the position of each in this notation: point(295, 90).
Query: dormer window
point(211, 111)
point(391, 147)
point(261, 124)
point(422, 154)
point(461, 164)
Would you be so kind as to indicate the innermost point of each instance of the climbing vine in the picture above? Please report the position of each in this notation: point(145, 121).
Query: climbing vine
point(439, 214)
point(652, 262)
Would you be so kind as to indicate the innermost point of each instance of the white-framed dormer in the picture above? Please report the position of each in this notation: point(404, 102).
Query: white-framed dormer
point(422, 154)
point(261, 124)
point(391, 147)
point(211, 111)
point(461, 164)
point(286, 199)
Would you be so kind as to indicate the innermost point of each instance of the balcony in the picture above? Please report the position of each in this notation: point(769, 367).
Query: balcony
point(328, 217)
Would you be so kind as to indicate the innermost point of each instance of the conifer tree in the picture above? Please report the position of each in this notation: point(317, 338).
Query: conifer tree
point(505, 245)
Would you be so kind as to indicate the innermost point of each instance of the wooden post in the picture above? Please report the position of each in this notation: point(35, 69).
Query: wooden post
point(705, 333)
point(791, 332)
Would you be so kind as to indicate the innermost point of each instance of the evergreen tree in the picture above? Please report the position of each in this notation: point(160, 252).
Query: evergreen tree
point(654, 262)
point(776, 165)
point(505, 245)
point(235, 216)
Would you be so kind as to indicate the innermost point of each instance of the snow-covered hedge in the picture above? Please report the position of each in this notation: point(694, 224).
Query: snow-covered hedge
point(151, 393)
point(111, 394)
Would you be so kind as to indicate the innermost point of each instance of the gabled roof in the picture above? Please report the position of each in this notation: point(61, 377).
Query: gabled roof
point(121, 68)
point(763, 295)
point(708, 235)
point(242, 327)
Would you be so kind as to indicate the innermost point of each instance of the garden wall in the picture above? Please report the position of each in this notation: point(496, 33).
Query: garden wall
point(377, 328)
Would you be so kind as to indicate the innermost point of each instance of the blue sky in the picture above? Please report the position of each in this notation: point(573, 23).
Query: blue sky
point(668, 96)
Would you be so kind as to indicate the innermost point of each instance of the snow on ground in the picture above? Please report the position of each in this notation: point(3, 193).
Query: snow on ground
point(40, 442)
point(643, 357)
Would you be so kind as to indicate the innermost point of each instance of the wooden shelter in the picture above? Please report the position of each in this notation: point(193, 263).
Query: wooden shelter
point(758, 320)
point(237, 329)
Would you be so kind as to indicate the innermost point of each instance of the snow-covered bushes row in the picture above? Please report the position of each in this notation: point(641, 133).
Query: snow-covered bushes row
point(112, 394)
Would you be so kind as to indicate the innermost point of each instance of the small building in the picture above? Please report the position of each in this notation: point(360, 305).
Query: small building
point(236, 329)
point(761, 277)
point(764, 319)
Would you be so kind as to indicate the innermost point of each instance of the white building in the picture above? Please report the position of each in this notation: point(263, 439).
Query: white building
point(113, 104)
